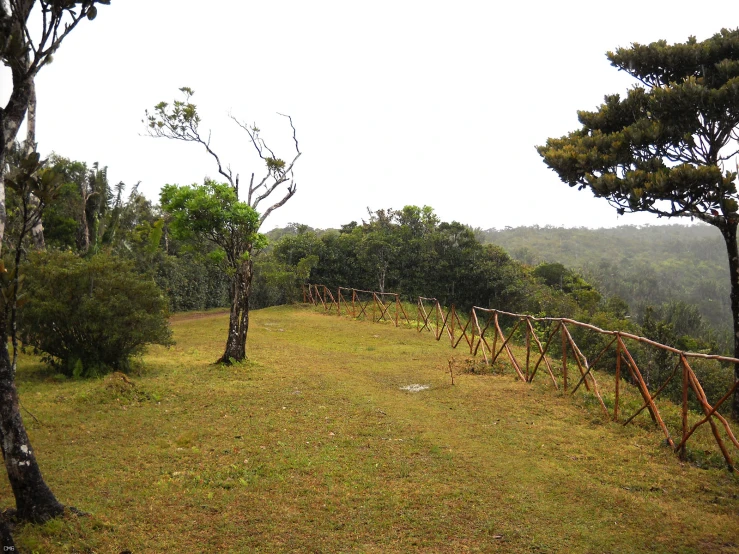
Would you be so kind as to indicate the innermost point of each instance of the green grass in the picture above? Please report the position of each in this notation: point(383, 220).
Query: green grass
point(311, 446)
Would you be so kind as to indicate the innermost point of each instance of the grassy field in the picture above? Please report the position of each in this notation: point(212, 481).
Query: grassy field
point(312, 446)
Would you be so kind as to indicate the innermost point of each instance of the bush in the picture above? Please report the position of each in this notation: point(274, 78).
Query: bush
point(90, 316)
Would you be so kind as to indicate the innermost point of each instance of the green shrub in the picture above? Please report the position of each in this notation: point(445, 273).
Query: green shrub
point(89, 316)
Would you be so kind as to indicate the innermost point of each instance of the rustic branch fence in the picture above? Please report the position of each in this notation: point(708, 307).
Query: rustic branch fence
point(476, 329)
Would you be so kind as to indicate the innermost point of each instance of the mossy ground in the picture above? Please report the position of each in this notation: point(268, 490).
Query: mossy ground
point(311, 446)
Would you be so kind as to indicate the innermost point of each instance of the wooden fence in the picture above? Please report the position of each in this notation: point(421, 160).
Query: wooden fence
point(476, 328)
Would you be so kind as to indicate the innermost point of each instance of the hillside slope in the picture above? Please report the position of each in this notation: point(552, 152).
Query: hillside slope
point(643, 265)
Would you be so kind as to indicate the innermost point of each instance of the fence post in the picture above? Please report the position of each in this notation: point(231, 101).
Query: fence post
point(686, 377)
point(451, 331)
point(397, 309)
point(528, 347)
point(495, 352)
point(564, 356)
point(618, 380)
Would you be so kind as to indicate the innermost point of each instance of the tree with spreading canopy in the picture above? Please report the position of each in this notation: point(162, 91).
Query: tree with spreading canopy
point(27, 42)
point(213, 212)
point(668, 146)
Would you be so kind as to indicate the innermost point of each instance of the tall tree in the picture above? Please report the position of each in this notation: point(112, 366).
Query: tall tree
point(182, 122)
point(666, 146)
point(26, 45)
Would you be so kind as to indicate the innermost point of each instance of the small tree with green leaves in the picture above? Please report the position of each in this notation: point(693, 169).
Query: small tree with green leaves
point(213, 212)
point(668, 146)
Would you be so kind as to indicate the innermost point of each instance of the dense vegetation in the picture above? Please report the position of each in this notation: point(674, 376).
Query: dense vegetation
point(645, 266)
point(88, 299)
point(411, 252)
point(91, 315)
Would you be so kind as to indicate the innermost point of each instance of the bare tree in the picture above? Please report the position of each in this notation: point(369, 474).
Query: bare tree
point(181, 121)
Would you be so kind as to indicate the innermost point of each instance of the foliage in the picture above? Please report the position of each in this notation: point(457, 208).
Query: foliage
point(191, 282)
point(276, 283)
point(411, 252)
point(662, 148)
point(90, 315)
point(645, 266)
point(212, 212)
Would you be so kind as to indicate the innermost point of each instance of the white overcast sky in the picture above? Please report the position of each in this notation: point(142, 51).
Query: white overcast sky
point(395, 102)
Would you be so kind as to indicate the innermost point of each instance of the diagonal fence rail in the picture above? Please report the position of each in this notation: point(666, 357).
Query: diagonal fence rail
point(551, 349)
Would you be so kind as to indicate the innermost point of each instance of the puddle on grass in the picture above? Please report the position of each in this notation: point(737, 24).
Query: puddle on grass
point(415, 387)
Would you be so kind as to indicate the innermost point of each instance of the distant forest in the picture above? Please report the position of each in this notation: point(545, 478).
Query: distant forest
point(645, 265)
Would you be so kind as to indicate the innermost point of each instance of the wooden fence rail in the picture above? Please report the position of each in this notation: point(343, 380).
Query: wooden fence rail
point(475, 329)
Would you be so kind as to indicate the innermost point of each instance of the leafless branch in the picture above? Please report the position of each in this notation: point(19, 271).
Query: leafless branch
point(256, 140)
point(295, 137)
point(290, 191)
point(251, 189)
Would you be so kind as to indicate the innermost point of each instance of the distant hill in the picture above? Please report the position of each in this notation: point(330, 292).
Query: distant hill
point(641, 264)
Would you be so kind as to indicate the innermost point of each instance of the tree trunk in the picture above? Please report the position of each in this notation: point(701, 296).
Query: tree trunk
point(6, 538)
point(3, 213)
point(33, 499)
point(238, 325)
point(37, 232)
point(728, 231)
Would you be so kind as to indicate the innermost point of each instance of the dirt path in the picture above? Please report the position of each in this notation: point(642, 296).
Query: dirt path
point(188, 316)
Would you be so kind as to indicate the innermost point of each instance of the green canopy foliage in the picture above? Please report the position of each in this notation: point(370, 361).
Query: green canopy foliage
point(661, 148)
point(212, 212)
point(410, 251)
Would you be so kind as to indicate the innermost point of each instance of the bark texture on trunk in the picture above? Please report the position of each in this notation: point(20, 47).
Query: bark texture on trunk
point(33, 499)
point(728, 231)
point(238, 325)
point(6, 538)
point(3, 213)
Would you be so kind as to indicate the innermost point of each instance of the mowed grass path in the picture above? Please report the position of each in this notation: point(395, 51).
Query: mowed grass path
point(313, 447)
